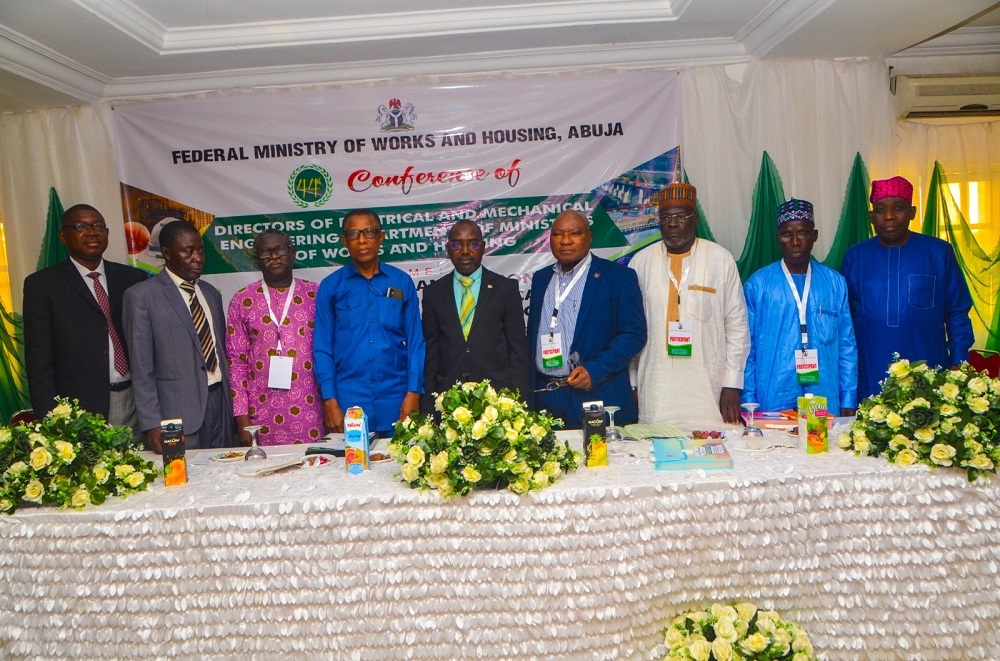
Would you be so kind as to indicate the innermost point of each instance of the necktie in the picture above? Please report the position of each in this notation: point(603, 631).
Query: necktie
point(202, 327)
point(468, 305)
point(121, 360)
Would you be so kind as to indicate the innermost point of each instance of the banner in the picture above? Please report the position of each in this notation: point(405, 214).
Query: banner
point(509, 154)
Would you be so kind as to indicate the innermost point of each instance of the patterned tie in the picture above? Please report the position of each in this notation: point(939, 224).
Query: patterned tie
point(121, 360)
point(468, 305)
point(202, 327)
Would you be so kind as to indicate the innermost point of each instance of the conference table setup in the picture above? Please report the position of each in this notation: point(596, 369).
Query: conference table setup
point(873, 560)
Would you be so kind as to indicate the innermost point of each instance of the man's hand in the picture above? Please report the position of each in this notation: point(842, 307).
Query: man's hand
point(333, 417)
point(411, 404)
point(243, 437)
point(153, 441)
point(729, 406)
point(579, 378)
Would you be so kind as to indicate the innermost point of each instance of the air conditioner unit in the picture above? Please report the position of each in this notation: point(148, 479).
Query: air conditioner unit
point(946, 96)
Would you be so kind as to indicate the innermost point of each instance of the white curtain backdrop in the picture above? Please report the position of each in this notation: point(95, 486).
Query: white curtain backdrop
point(810, 116)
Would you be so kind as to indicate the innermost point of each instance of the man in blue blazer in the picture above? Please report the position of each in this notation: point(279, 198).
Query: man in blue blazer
point(175, 372)
point(585, 324)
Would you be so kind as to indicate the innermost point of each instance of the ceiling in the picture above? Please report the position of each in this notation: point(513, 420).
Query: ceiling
point(68, 52)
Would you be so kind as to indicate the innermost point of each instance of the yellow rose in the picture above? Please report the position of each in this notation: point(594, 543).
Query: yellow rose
point(947, 427)
point(894, 420)
point(978, 404)
point(439, 403)
point(445, 489)
point(877, 413)
point(409, 472)
point(415, 456)
point(537, 432)
point(506, 404)
point(16, 468)
point(844, 441)
point(520, 486)
point(755, 643)
point(439, 462)
point(521, 468)
point(101, 473)
point(919, 401)
point(479, 429)
point(4, 434)
point(519, 424)
point(898, 442)
point(746, 610)
point(722, 651)
point(425, 432)
point(862, 445)
point(40, 458)
point(65, 451)
point(34, 491)
point(955, 375)
point(135, 479)
point(783, 640)
point(81, 497)
point(490, 414)
point(462, 415)
point(724, 630)
point(950, 392)
point(551, 468)
point(906, 382)
point(981, 462)
point(490, 394)
point(977, 385)
point(674, 637)
point(510, 434)
point(121, 470)
point(900, 368)
point(800, 656)
point(942, 454)
point(948, 409)
point(540, 479)
point(511, 455)
point(801, 643)
point(450, 434)
point(36, 439)
point(700, 650)
point(970, 430)
point(471, 474)
point(61, 411)
point(6, 505)
point(924, 435)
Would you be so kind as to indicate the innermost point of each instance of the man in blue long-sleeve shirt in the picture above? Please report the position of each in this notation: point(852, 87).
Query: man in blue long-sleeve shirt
point(368, 344)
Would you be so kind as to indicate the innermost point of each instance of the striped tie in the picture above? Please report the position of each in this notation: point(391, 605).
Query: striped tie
point(202, 327)
point(468, 305)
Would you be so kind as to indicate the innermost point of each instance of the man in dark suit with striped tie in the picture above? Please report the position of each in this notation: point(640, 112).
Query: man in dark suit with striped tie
point(473, 322)
point(175, 326)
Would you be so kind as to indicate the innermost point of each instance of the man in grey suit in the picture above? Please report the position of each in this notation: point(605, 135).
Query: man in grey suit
point(175, 327)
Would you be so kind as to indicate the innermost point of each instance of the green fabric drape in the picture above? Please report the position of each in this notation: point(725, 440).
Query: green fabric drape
point(854, 226)
point(761, 247)
point(982, 270)
point(13, 386)
point(53, 251)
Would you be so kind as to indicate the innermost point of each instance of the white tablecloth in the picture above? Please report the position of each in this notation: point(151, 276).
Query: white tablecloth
point(874, 561)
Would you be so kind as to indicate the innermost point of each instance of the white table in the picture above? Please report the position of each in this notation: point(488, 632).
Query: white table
point(874, 561)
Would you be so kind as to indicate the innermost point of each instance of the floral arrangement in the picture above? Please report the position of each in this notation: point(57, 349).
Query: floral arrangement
point(736, 632)
point(931, 416)
point(484, 438)
point(69, 458)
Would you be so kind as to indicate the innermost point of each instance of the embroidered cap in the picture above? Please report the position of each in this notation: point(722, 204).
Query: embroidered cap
point(895, 187)
point(678, 195)
point(795, 210)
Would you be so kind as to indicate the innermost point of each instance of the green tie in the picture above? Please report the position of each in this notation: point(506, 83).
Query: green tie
point(468, 305)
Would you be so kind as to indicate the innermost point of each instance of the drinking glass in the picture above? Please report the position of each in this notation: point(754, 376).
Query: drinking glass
point(751, 430)
point(255, 453)
point(613, 436)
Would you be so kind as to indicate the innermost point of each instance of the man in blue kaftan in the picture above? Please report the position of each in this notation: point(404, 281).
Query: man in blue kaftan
point(907, 292)
point(801, 335)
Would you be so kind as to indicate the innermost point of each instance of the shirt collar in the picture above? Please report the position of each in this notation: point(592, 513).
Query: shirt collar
point(352, 270)
point(476, 276)
point(583, 264)
point(178, 280)
point(85, 272)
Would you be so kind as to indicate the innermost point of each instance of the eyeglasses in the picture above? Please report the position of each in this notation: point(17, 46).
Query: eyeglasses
point(677, 217)
point(786, 237)
point(471, 245)
point(556, 384)
point(80, 228)
point(371, 233)
point(273, 253)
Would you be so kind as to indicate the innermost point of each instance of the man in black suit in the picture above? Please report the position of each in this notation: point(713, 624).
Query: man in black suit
point(73, 337)
point(473, 322)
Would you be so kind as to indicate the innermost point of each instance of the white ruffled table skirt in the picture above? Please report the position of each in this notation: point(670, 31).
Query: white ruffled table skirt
point(876, 562)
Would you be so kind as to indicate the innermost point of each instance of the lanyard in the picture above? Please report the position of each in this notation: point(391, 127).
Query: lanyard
point(684, 273)
point(284, 313)
point(582, 267)
point(800, 302)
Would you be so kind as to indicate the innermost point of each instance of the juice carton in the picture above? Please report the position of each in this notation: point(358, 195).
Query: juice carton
point(814, 431)
point(595, 447)
point(356, 443)
point(174, 464)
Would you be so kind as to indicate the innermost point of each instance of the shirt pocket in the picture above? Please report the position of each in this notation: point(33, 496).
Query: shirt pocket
point(825, 327)
point(346, 312)
point(390, 313)
point(921, 294)
point(700, 303)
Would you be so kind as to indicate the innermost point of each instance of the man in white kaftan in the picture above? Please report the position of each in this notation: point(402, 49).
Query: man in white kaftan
point(691, 288)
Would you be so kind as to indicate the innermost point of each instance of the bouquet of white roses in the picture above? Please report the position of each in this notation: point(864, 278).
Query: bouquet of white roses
point(69, 458)
point(485, 438)
point(932, 416)
point(736, 632)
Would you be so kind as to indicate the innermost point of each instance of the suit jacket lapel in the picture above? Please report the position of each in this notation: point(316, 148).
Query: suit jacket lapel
point(485, 292)
point(177, 302)
point(77, 284)
point(589, 288)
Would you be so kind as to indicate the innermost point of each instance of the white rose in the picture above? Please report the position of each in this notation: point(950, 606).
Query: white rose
point(506, 404)
point(540, 479)
point(949, 391)
point(942, 454)
point(415, 456)
point(16, 467)
point(907, 457)
point(898, 442)
point(439, 403)
point(947, 427)
point(722, 651)
point(36, 438)
point(924, 435)
point(978, 404)
point(81, 497)
point(425, 432)
point(520, 486)
point(725, 630)
point(970, 430)
point(490, 414)
point(410, 472)
point(746, 610)
point(877, 413)
point(450, 435)
point(918, 402)
point(674, 637)
point(977, 385)
point(490, 394)
point(844, 441)
point(479, 429)
point(700, 650)
point(469, 386)
point(63, 410)
point(439, 462)
point(755, 643)
point(34, 491)
point(975, 447)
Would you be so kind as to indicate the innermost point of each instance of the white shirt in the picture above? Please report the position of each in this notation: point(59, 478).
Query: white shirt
point(85, 274)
